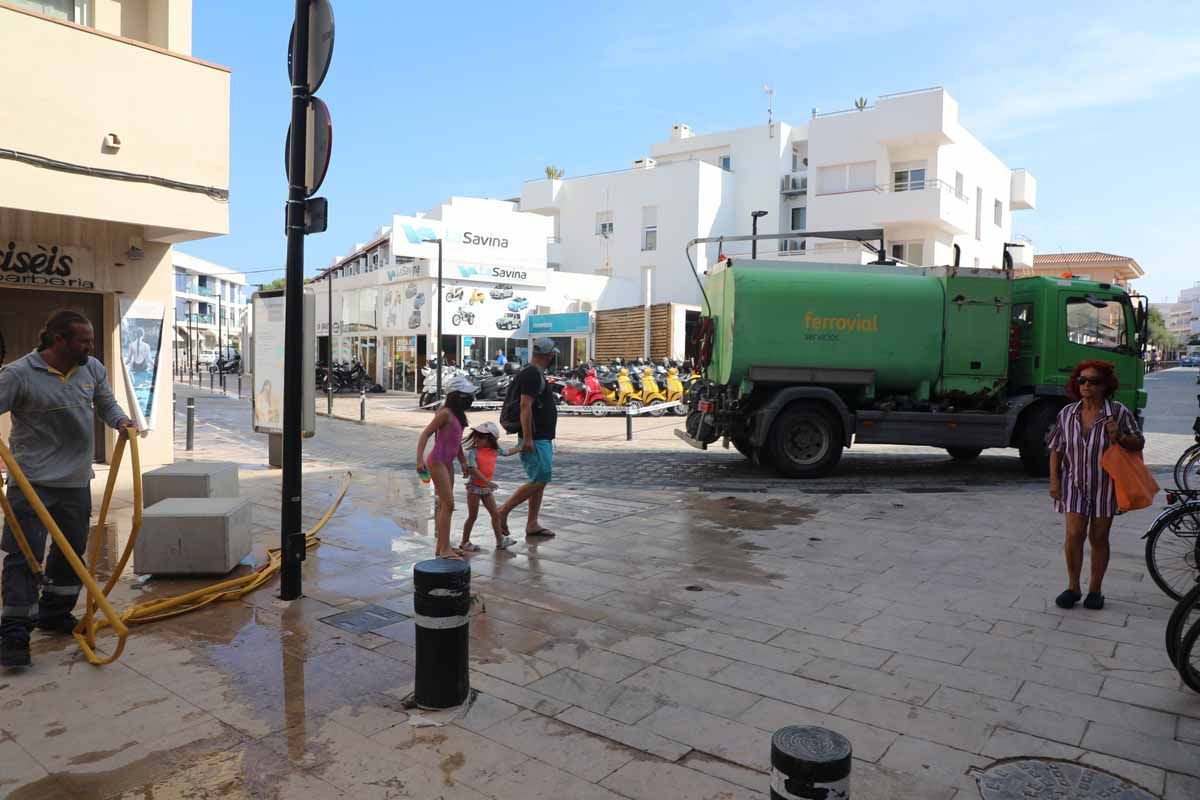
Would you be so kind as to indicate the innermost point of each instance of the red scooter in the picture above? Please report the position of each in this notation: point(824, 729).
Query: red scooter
point(586, 393)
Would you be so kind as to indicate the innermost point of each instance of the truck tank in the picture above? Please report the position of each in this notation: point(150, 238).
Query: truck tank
point(893, 322)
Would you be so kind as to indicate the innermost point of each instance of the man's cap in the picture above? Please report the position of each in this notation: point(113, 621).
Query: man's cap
point(544, 346)
point(459, 383)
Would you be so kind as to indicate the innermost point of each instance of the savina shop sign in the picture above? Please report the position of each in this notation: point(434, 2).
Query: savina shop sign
point(49, 265)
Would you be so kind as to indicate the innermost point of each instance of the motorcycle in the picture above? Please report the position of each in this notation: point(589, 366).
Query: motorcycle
point(675, 391)
point(463, 316)
point(651, 394)
point(620, 391)
point(587, 392)
point(492, 382)
point(227, 365)
point(454, 294)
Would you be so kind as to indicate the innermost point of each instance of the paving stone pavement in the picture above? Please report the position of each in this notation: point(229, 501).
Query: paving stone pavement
point(686, 610)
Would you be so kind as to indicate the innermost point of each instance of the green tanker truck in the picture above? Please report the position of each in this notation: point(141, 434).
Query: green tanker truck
point(803, 360)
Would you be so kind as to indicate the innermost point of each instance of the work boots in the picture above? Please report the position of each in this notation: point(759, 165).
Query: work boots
point(14, 652)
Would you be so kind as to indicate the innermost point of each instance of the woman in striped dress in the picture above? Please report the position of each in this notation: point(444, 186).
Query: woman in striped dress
point(1080, 488)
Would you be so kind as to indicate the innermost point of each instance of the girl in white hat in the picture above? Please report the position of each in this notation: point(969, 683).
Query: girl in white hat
point(481, 448)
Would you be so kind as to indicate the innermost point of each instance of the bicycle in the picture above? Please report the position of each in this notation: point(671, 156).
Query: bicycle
point(1183, 618)
point(1187, 659)
point(1187, 468)
point(1173, 544)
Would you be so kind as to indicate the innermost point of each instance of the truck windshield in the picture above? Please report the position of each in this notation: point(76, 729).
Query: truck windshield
point(1097, 326)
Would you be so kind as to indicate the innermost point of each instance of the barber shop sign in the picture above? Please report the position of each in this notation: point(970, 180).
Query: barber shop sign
point(45, 265)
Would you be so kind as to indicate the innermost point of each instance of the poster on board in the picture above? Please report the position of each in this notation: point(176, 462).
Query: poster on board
point(141, 346)
point(268, 349)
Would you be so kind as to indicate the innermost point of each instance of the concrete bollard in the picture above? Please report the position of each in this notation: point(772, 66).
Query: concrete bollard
point(191, 421)
point(211, 375)
point(441, 600)
point(809, 762)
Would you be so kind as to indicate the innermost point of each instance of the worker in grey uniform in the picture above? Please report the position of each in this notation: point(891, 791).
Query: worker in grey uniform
point(51, 393)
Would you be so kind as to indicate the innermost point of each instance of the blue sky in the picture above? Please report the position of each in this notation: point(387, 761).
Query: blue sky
point(429, 100)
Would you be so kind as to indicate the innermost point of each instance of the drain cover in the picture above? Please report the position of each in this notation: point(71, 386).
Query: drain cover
point(362, 620)
point(1054, 780)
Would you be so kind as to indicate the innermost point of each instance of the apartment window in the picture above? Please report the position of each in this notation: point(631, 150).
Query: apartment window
point(799, 161)
point(909, 252)
point(649, 227)
point(978, 213)
point(958, 184)
point(799, 218)
point(908, 177)
point(726, 163)
point(998, 212)
point(604, 223)
point(70, 10)
point(846, 177)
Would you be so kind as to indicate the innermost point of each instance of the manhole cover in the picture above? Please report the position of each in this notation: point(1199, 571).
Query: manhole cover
point(362, 620)
point(1054, 780)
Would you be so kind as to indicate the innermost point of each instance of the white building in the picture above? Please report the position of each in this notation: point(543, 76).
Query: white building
point(1191, 299)
point(210, 300)
point(905, 164)
point(385, 302)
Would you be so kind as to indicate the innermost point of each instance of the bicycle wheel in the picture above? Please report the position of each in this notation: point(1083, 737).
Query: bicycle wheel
point(1173, 550)
point(1187, 469)
point(1188, 660)
point(1186, 614)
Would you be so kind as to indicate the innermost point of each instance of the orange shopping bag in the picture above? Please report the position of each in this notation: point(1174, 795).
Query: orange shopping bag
point(1135, 485)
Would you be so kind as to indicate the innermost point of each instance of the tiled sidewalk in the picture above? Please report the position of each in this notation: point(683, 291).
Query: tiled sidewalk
point(647, 652)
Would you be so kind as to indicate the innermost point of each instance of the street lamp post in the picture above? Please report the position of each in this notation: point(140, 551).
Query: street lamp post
point(439, 316)
point(191, 305)
point(754, 215)
point(220, 338)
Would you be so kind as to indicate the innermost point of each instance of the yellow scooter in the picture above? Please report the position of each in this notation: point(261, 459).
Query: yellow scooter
point(675, 391)
point(624, 394)
point(651, 394)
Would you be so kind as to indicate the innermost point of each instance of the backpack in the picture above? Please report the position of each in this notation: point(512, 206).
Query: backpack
point(510, 412)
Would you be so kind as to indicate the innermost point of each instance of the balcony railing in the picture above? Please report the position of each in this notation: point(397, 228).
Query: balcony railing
point(922, 185)
point(199, 319)
point(794, 183)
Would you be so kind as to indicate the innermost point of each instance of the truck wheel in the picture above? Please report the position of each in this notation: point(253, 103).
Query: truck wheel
point(1031, 439)
point(743, 446)
point(805, 441)
point(964, 453)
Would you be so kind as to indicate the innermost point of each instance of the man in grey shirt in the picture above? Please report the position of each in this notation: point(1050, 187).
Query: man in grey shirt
point(51, 393)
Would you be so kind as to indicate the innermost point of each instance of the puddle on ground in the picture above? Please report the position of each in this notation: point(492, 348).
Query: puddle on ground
point(739, 513)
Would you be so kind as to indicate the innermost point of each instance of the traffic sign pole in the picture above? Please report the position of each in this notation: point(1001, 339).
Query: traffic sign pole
point(292, 538)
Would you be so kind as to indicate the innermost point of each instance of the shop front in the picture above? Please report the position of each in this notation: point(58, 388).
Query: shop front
point(571, 332)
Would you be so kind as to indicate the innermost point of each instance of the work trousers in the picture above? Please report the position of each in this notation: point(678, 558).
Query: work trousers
point(71, 508)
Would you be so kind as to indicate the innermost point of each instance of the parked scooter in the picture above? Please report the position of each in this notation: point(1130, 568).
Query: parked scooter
point(675, 391)
point(587, 392)
point(620, 391)
point(651, 394)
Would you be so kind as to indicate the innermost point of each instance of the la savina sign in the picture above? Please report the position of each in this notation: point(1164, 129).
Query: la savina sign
point(45, 265)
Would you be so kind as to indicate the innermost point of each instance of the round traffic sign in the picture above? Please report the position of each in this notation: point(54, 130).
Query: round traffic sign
point(318, 147)
point(320, 43)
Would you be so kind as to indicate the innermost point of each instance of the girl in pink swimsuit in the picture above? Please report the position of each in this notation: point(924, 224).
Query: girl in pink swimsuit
point(447, 427)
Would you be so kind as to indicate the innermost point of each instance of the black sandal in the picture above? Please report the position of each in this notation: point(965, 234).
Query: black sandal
point(1067, 599)
point(1094, 601)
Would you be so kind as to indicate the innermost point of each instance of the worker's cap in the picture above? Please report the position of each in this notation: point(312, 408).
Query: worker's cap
point(544, 346)
point(488, 428)
point(459, 383)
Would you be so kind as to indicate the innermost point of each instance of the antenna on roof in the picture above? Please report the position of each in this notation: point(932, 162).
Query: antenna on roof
point(770, 93)
point(861, 103)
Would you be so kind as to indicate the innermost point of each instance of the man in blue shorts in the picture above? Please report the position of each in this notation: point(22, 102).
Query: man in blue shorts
point(539, 418)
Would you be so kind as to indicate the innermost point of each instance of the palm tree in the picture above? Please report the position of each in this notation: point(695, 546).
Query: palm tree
point(554, 173)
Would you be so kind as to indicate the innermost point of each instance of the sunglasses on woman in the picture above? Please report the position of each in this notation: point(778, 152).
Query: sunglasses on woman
point(1082, 379)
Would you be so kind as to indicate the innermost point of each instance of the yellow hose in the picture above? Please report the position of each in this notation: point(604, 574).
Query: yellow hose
point(97, 596)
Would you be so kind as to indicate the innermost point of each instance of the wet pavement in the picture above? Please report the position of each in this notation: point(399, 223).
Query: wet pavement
point(649, 651)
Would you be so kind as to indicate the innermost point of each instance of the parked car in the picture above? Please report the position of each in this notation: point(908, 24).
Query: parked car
point(1190, 361)
point(207, 357)
point(518, 304)
point(501, 291)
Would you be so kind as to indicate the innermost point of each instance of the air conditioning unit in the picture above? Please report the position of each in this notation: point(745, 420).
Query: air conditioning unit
point(644, 163)
point(681, 131)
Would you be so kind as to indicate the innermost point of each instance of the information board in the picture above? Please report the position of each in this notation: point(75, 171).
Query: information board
point(268, 349)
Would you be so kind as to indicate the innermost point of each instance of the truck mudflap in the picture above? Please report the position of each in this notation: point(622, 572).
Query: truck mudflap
point(691, 440)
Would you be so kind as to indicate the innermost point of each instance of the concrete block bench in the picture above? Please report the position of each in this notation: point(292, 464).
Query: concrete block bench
point(190, 479)
point(193, 536)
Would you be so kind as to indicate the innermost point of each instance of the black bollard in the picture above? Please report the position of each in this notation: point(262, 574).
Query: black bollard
point(809, 762)
point(362, 407)
point(191, 421)
point(628, 427)
point(441, 600)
